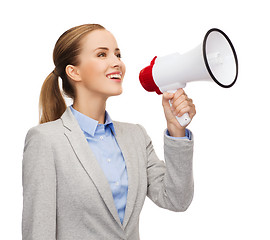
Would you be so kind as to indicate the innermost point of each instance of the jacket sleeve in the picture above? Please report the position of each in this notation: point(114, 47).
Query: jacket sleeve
point(39, 188)
point(170, 183)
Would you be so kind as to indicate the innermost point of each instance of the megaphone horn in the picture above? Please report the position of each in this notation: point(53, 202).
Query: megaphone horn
point(214, 59)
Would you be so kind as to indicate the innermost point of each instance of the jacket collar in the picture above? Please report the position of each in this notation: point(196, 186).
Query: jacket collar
point(89, 125)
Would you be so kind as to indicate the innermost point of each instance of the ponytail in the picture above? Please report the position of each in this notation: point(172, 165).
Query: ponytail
point(51, 102)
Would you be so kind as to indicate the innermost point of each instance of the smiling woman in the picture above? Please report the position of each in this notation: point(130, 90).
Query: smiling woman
point(86, 176)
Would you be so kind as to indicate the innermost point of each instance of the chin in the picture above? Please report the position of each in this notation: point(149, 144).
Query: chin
point(115, 93)
point(119, 91)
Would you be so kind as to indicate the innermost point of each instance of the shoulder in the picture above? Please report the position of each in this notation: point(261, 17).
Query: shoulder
point(133, 130)
point(44, 130)
point(126, 126)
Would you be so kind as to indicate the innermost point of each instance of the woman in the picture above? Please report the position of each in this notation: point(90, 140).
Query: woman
point(84, 175)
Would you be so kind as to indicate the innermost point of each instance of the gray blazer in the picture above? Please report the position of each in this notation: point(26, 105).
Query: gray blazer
point(66, 195)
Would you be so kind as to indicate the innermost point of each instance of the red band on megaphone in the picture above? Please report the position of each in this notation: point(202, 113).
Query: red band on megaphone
point(147, 80)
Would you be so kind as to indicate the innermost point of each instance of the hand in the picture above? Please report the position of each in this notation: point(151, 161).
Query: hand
point(180, 104)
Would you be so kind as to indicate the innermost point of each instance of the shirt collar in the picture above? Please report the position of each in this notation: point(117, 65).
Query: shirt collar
point(88, 124)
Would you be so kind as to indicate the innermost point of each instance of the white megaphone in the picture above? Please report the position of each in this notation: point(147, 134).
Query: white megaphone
point(214, 59)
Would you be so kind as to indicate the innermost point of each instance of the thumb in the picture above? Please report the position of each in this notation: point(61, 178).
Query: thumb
point(166, 97)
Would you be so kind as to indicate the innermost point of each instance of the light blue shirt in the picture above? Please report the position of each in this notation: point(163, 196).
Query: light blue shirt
point(101, 139)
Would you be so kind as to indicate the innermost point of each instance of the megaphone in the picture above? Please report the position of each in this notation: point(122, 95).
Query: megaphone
point(214, 59)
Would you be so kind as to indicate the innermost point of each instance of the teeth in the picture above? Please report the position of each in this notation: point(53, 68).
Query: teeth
point(114, 76)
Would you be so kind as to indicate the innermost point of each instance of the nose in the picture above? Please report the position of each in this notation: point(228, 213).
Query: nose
point(116, 62)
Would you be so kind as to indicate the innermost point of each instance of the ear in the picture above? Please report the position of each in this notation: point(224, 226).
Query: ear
point(73, 73)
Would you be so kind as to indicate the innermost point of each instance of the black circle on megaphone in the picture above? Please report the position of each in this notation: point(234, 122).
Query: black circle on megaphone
point(206, 61)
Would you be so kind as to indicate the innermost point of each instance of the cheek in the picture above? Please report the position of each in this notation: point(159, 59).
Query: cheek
point(93, 69)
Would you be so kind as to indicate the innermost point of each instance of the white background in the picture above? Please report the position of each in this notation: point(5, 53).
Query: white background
point(231, 128)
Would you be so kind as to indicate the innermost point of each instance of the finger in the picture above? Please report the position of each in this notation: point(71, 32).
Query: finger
point(190, 100)
point(177, 94)
point(184, 105)
point(179, 107)
point(167, 95)
point(190, 109)
point(184, 110)
point(182, 98)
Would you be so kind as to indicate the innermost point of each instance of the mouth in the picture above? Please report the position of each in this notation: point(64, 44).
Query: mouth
point(116, 76)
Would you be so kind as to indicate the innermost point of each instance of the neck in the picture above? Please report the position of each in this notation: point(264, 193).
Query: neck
point(92, 107)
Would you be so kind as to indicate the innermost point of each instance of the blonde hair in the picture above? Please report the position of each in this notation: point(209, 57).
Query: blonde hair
point(66, 50)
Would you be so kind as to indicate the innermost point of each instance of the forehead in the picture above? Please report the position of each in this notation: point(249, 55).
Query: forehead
point(99, 38)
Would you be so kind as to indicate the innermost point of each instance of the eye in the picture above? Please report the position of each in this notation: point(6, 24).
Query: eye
point(119, 55)
point(102, 54)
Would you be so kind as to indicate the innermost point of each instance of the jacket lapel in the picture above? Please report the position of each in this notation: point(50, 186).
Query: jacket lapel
point(88, 161)
point(132, 169)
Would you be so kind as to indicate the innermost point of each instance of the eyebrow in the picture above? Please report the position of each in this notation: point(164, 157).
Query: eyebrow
point(105, 48)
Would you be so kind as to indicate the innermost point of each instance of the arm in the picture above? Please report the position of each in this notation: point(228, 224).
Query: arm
point(170, 183)
point(39, 188)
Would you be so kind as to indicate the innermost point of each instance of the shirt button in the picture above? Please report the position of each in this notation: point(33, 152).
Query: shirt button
point(101, 137)
point(117, 183)
point(108, 160)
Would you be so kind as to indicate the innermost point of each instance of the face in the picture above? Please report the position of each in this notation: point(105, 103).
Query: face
point(101, 69)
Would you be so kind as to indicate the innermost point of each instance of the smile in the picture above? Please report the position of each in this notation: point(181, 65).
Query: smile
point(114, 76)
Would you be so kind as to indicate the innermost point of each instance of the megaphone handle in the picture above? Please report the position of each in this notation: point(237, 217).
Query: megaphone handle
point(184, 119)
